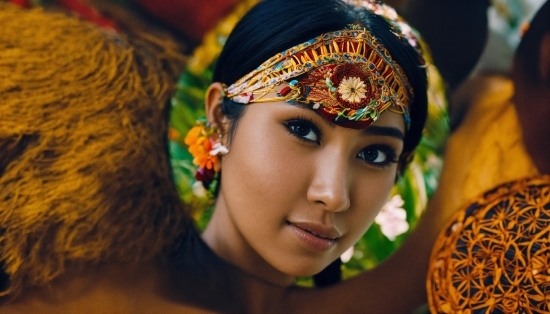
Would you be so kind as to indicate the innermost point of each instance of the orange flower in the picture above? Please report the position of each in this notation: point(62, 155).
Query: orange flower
point(200, 146)
point(206, 161)
point(173, 134)
point(193, 135)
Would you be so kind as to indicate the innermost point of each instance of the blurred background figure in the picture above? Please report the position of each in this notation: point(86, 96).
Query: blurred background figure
point(507, 21)
point(82, 142)
point(493, 255)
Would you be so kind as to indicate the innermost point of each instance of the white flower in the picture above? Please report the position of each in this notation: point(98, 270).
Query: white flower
point(198, 189)
point(346, 256)
point(352, 89)
point(387, 12)
point(218, 148)
point(392, 218)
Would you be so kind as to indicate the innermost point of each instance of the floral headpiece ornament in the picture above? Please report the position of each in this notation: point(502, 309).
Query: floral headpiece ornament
point(347, 76)
point(204, 146)
point(399, 26)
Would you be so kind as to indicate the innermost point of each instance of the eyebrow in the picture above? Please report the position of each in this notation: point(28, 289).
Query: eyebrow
point(308, 107)
point(384, 131)
point(370, 130)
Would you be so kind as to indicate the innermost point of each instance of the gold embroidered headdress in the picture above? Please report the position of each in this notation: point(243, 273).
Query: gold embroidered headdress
point(399, 26)
point(347, 76)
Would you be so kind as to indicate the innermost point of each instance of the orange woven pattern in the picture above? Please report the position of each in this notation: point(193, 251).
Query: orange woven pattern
point(494, 255)
point(84, 173)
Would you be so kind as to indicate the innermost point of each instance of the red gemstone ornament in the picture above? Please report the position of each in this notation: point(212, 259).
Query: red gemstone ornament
point(285, 91)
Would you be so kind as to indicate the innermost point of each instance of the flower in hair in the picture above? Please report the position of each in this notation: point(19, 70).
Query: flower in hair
point(206, 149)
point(200, 146)
point(219, 149)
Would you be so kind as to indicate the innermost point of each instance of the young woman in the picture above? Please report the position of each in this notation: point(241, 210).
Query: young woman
point(308, 133)
point(315, 109)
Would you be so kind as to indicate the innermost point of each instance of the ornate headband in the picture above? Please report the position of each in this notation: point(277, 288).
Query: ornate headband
point(347, 76)
point(399, 26)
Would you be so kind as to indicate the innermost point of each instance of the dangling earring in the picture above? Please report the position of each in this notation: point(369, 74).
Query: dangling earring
point(205, 149)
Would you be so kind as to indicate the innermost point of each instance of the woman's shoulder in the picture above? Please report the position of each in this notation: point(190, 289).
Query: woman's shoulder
point(109, 289)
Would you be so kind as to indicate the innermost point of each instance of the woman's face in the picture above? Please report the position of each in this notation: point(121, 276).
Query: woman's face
point(297, 191)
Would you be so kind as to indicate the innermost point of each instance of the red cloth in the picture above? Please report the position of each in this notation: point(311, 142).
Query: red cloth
point(191, 17)
point(21, 3)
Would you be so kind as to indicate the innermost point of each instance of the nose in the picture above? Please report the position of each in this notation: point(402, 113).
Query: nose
point(330, 186)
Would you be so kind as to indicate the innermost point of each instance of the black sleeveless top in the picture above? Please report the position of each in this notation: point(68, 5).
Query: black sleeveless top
point(199, 277)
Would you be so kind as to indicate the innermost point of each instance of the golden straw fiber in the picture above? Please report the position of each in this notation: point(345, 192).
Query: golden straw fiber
point(494, 255)
point(84, 172)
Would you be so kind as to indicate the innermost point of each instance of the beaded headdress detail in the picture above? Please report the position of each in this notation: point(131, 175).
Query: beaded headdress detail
point(347, 76)
point(399, 26)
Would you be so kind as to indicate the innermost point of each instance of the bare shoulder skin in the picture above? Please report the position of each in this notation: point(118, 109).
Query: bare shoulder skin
point(109, 289)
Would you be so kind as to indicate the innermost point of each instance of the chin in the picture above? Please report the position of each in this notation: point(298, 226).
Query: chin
point(305, 268)
point(303, 272)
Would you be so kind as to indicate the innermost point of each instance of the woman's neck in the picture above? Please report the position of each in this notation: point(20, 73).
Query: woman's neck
point(224, 238)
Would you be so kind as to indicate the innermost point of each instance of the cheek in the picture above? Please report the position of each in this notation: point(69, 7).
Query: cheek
point(262, 176)
point(369, 196)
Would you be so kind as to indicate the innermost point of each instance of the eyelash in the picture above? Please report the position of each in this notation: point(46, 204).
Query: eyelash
point(388, 150)
point(303, 122)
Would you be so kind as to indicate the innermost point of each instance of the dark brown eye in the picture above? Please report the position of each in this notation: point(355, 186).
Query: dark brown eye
point(373, 155)
point(303, 129)
point(379, 155)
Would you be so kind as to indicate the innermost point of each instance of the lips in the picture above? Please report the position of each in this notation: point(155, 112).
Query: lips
point(314, 236)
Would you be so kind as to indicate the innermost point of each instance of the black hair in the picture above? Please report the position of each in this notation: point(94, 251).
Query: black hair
point(275, 25)
point(529, 49)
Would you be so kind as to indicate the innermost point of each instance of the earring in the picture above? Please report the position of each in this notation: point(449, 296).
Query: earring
point(205, 149)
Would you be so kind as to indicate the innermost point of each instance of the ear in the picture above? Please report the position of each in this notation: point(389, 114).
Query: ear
point(544, 58)
point(213, 108)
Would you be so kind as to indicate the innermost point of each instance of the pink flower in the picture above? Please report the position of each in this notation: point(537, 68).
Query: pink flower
point(392, 218)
